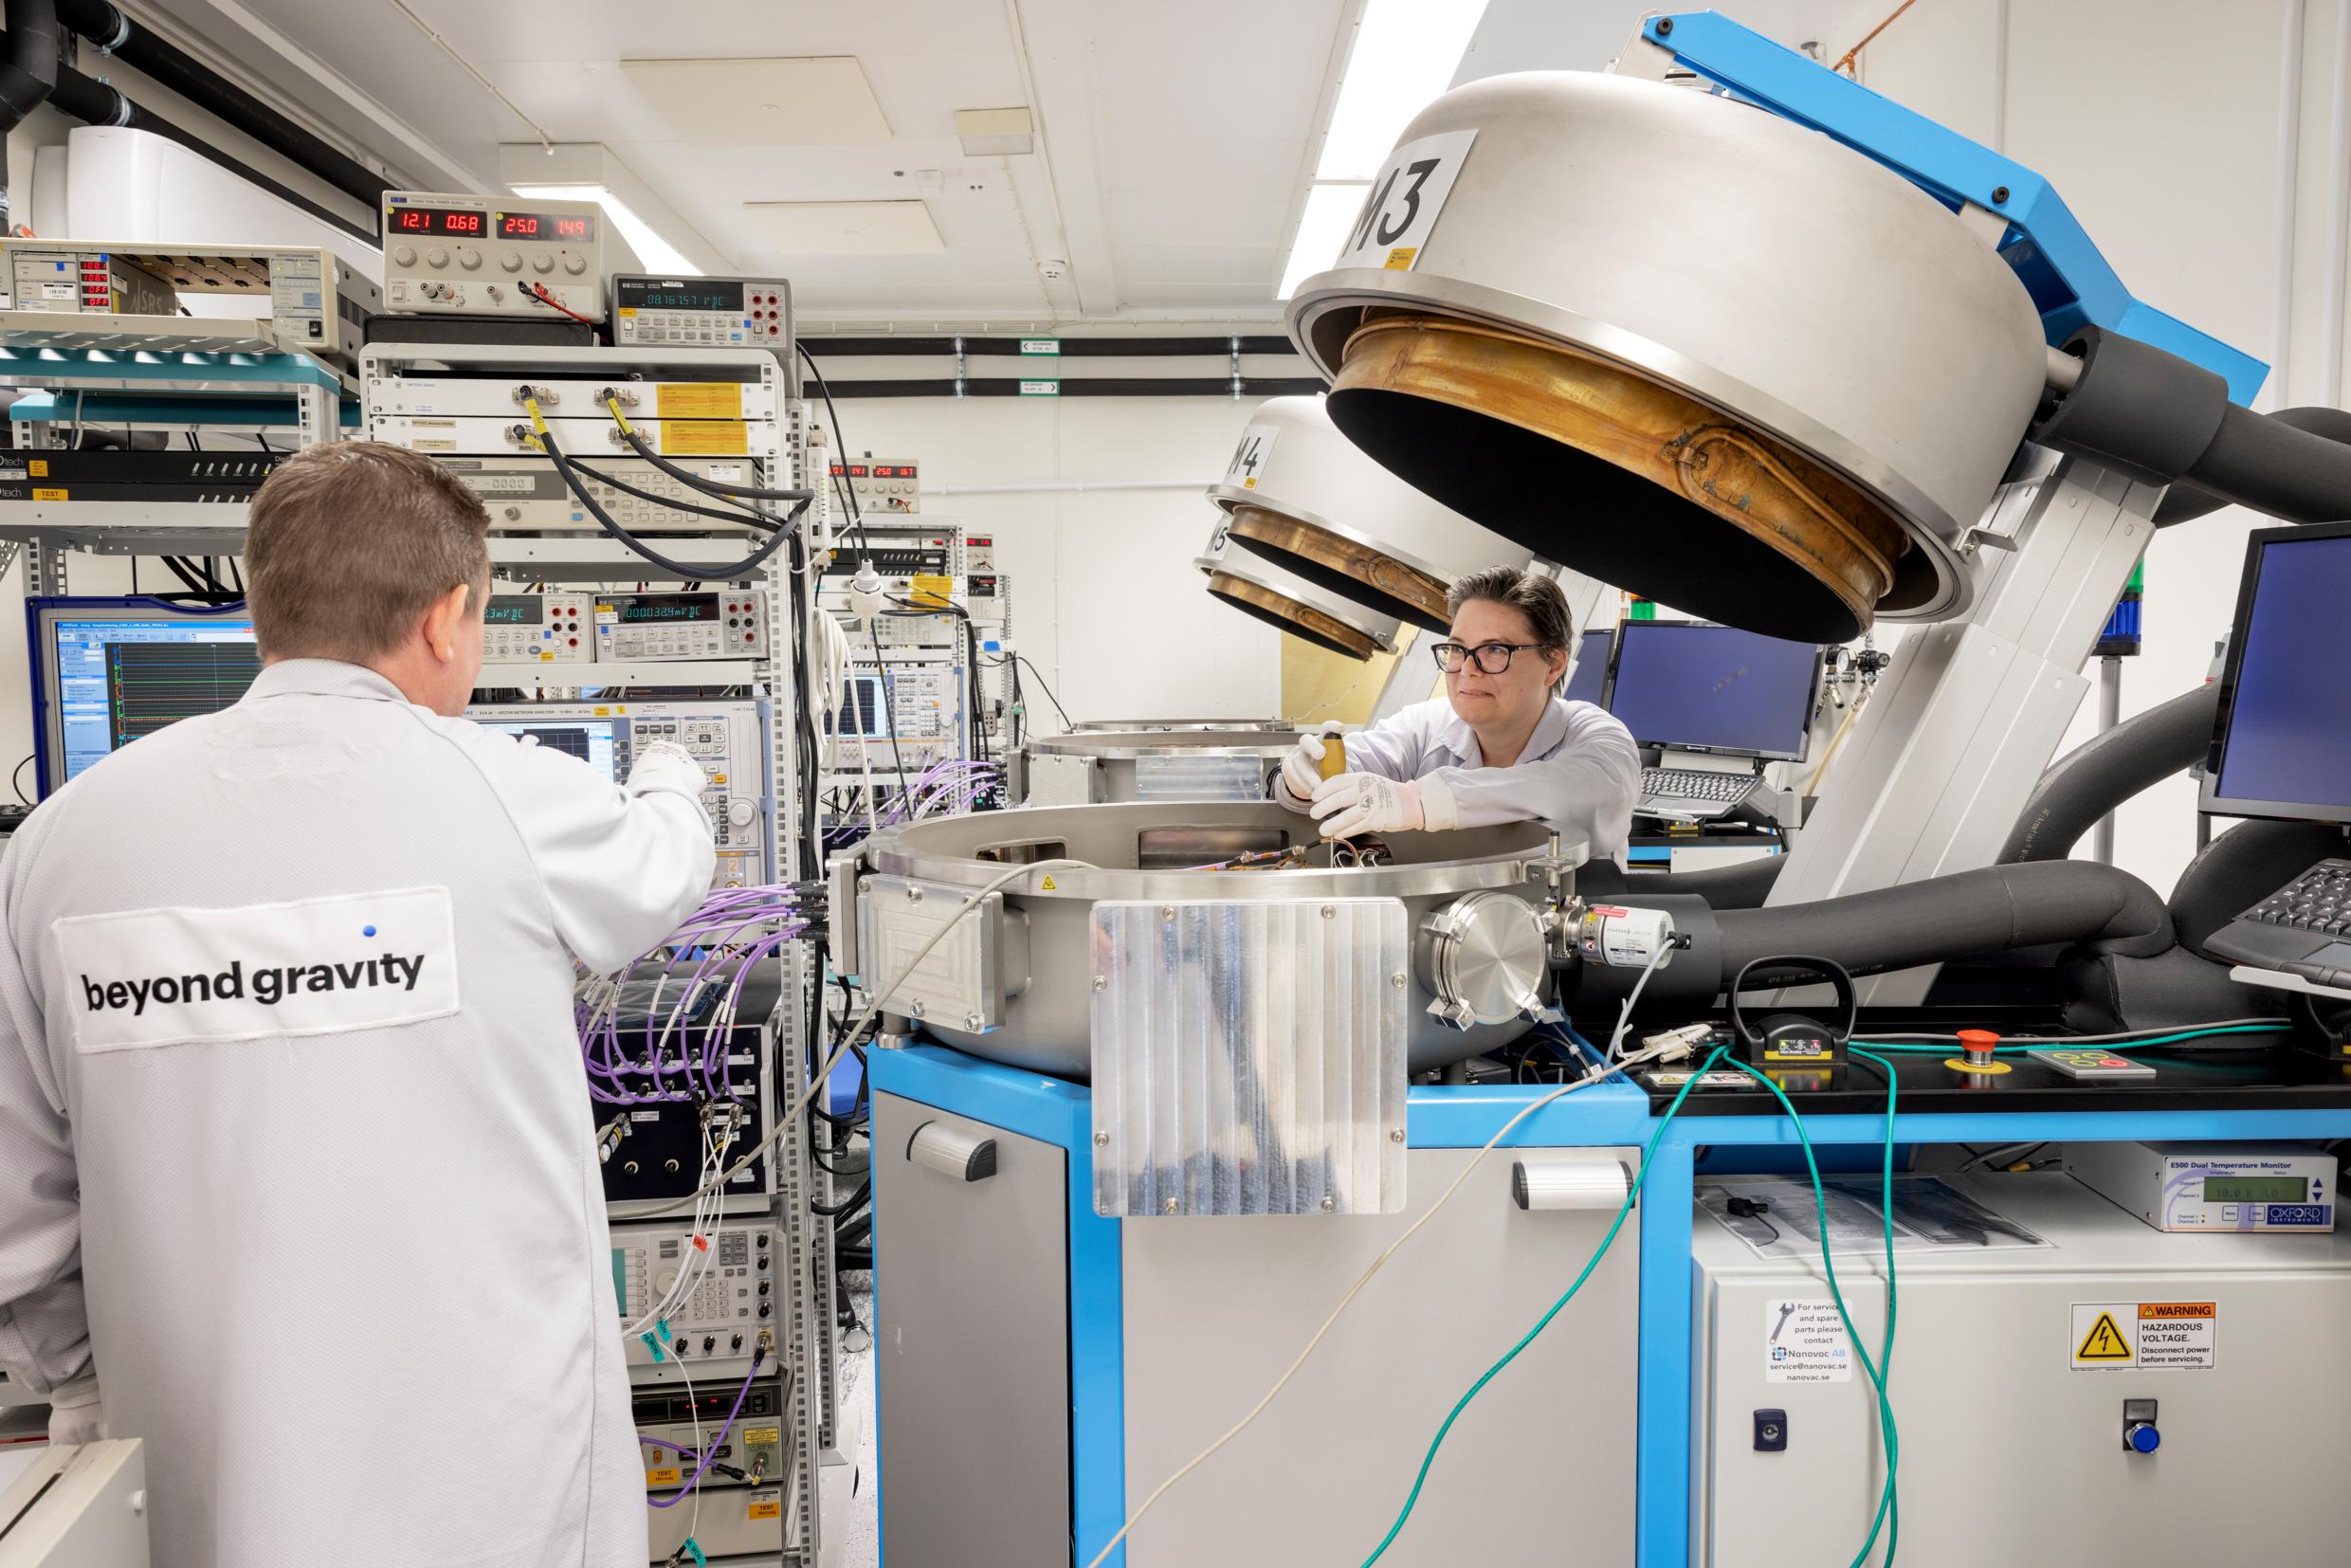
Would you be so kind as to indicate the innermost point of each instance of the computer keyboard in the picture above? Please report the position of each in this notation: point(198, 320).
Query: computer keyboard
point(1692, 792)
point(2300, 929)
point(2318, 900)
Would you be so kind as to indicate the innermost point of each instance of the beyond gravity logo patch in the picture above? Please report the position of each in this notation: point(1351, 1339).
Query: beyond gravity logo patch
point(321, 966)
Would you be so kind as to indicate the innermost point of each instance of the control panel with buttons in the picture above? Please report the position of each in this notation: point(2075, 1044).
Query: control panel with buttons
point(451, 254)
point(728, 737)
point(706, 623)
point(730, 1262)
point(722, 312)
point(526, 492)
point(667, 1417)
point(554, 628)
point(880, 485)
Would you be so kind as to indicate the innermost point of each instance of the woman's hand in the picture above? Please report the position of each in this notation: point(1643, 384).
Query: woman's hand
point(1366, 803)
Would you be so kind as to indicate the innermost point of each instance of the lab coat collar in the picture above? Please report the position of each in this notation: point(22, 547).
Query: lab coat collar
point(1456, 736)
point(322, 678)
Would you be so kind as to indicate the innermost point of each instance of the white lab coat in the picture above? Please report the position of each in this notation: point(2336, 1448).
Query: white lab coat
point(353, 1284)
point(1579, 775)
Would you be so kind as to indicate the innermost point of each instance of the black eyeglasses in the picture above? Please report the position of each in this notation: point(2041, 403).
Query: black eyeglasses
point(1493, 658)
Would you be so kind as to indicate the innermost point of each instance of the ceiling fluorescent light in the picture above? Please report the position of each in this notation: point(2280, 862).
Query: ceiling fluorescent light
point(1331, 211)
point(1405, 54)
point(996, 132)
point(654, 253)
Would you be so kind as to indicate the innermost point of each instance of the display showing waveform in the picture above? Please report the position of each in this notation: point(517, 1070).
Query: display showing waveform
point(574, 740)
point(150, 686)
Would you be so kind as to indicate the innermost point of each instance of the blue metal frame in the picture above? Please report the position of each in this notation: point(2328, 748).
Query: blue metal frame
point(1053, 1112)
point(2071, 282)
point(37, 670)
point(1614, 1113)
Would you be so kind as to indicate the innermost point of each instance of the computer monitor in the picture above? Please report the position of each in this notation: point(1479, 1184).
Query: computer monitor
point(2282, 738)
point(864, 706)
point(589, 739)
point(106, 671)
point(1591, 678)
point(1699, 687)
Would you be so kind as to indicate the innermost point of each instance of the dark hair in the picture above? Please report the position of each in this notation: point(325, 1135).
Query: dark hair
point(1530, 593)
point(348, 542)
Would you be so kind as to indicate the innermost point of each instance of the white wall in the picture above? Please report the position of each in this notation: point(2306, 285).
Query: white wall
point(2159, 122)
point(1105, 600)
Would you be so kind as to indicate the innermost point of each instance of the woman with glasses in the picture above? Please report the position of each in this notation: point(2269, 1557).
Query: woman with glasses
point(1501, 746)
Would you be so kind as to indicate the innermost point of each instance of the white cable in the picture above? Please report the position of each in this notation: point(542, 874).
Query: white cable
point(1624, 1019)
point(1593, 1075)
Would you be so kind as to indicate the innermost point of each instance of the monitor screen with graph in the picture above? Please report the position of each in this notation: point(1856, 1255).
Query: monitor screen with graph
point(106, 671)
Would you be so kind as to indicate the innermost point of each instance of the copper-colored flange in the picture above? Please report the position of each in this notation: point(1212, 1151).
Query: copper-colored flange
point(1419, 597)
point(1815, 518)
point(1323, 631)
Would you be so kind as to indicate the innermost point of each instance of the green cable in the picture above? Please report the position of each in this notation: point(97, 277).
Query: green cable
point(1877, 1379)
point(1544, 1321)
point(2098, 1044)
point(1885, 1352)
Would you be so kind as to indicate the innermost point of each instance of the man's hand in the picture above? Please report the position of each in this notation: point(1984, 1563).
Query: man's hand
point(1302, 771)
point(1366, 803)
point(665, 765)
point(76, 1413)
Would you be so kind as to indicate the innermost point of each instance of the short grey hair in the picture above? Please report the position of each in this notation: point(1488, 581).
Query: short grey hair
point(349, 542)
point(1531, 594)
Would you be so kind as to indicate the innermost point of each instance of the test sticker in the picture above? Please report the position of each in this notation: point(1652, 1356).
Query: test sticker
point(2153, 1336)
point(1804, 1341)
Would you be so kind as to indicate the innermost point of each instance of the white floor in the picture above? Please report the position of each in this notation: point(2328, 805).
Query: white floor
point(856, 1524)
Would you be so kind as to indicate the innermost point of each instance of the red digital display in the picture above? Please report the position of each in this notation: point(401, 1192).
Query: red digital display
point(901, 471)
point(561, 228)
point(857, 470)
point(434, 220)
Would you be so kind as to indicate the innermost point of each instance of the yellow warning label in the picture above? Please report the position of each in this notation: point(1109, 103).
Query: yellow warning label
point(2173, 1310)
point(771, 1508)
point(705, 438)
point(930, 592)
point(2104, 1343)
point(48, 495)
point(1401, 259)
point(698, 400)
point(1048, 884)
point(754, 1436)
point(627, 310)
point(665, 1477)
point(38, 468)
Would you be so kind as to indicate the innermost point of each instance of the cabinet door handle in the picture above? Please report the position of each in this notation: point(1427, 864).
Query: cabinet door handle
point(966, 1156)
point(1576, 1178)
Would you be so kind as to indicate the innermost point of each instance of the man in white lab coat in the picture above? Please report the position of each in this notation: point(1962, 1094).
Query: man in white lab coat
point(286, 995)
point(1501, 745)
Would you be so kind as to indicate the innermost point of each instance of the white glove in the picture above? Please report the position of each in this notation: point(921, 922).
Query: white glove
point(1302, 771)
point(76, 1414)
point(666, 765)
point(1366, 803)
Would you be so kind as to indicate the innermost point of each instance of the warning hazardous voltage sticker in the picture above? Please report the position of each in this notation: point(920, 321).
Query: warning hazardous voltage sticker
point(2152, 1336)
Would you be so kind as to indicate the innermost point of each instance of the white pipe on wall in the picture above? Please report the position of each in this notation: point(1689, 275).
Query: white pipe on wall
point(2338, 213)
point(1064, 485)
point(2000, 74)
point(2282, 238)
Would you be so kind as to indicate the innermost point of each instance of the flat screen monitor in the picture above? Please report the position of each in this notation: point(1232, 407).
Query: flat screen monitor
point(1699, 687)
point(865, 707)
point(1590, 679)
point(589, 739)
point(106, 671)
point(2282, 737)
